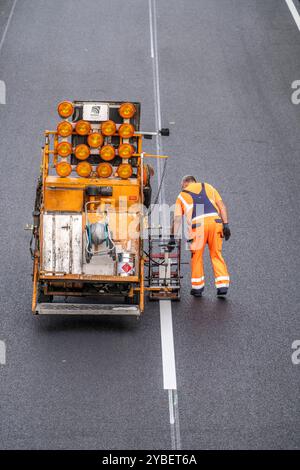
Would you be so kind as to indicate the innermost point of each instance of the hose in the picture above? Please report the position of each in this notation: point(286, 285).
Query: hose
point(161, 181)
point(109, 242)
point(159, 187)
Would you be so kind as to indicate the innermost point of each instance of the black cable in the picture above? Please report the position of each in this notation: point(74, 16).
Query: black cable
point(159, 187)
point(153, 261)
point(161, 181)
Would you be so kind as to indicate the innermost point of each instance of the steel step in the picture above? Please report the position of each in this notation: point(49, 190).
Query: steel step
point(86, 309)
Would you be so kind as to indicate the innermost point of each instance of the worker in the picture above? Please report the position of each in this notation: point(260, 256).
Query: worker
point(207, 223)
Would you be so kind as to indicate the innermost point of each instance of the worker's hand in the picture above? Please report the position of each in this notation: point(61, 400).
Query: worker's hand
point(226, 231)
point(171, 244)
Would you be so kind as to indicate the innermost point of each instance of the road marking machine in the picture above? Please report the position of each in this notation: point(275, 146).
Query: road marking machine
point(93, 248)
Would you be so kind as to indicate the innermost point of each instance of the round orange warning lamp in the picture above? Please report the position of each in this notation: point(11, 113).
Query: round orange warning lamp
point(82, 152)
point(64, 149)
point(107, 152)
point(104, 170)
point(126, 150)
point(63, 169)
point(108, 128)
point(84, 169)
point(127, 110)
point(126, 131)
point(64, 129)
point(83, 127)
point(124, 170)
point(65, 109)
point(95, 140)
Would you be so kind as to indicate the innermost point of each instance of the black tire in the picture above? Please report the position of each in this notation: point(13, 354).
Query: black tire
point(135, 300)
point(43, 298)
point(147, 196)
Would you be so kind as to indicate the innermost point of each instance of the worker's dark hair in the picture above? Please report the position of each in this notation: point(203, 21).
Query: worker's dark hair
point(188, 179)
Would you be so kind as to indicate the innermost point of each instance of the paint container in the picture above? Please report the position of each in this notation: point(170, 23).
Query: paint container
point(125, 264)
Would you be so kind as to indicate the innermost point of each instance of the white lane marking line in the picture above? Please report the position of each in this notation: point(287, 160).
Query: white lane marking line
point(174, 419)
point(151, 30)
point(167, 345)
point(2, 353)
point(294, 12)
point(156, 85)
point(153, 34)
point(167, 339)
point(2, 92)
point(7, 24)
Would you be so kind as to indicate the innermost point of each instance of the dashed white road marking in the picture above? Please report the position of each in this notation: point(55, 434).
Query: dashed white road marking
point(167, 339)
point(2, 353)
point(294, 12)
point(151, 30)
point(7, 24)
point(2, 92)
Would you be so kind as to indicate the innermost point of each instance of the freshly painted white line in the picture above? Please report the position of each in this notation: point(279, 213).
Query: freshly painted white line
point(7, 24)
point(167, 339)
point(294, 12)
point(2, 353)
point(167, 345)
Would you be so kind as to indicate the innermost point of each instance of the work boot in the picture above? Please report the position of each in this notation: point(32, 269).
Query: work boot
point(197, 292)
point(222, 291)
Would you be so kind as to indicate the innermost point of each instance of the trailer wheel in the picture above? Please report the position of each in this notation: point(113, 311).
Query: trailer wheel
point(43, 298)
point(147, 196)
point(135, 300)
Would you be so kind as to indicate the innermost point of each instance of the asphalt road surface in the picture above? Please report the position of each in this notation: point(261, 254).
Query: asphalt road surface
point(226, 69)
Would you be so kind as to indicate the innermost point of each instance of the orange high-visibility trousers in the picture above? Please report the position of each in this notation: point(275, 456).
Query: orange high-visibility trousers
point(210, 232)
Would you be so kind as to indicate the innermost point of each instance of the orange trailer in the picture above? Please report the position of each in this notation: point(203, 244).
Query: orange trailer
point(90, 218)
